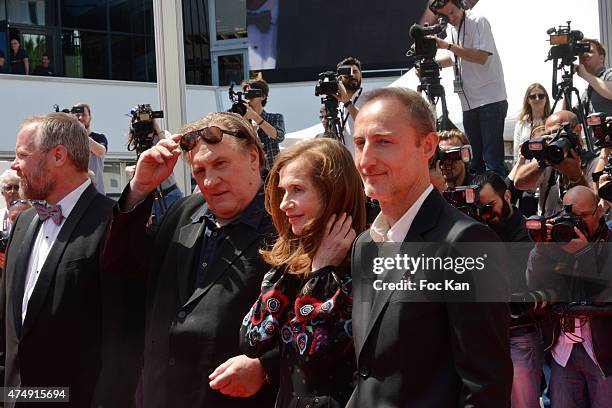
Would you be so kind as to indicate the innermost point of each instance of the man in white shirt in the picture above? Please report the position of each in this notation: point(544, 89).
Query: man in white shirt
point(418, 354)
point(479, 81)
point(62, 316)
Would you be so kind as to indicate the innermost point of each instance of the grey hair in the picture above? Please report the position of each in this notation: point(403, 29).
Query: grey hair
point(8, 175)
point(63, 129)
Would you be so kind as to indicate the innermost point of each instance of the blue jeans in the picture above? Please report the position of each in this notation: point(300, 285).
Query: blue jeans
point(484, 127)
point(527, 354)
point(580, 383)
point(169, 199)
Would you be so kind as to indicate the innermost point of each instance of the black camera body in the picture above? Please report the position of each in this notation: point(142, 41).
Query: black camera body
point(566, 44)
point(141, 127)
point(73, 110)
point(424, 47)
point(554, 151)
point(458, 153)
point(327, 84)
point(562, 229)
point(467, 200)
point(601, 125)
point(238, 99)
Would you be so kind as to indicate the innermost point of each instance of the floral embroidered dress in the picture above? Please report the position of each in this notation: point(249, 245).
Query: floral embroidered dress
point(311, 323)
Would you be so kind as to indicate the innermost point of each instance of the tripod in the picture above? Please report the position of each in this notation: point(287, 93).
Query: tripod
point(333, 127)
point(565, 90)
point(434, 91)
point(140, 142)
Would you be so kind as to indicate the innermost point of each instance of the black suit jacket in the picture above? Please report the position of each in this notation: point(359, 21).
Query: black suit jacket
point(188, 334)
point(434, 354)
point(73, 335)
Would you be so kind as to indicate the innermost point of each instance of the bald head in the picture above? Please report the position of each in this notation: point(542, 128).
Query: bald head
point(581, 198)
point(555, 120)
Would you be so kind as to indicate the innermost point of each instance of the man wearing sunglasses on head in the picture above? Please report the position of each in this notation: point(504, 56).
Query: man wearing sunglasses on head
point(202, 264)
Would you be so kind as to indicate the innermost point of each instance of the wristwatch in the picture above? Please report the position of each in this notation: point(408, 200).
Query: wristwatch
point(450, 45)
point(348, 103)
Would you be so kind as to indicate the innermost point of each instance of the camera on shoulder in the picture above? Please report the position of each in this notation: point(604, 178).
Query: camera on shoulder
point(238, 98)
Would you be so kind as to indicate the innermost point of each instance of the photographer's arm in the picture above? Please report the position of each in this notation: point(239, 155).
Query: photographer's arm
point(97, 148)
point(345, 98)
point(527, 175)
point(468, 54)
point(603, 88)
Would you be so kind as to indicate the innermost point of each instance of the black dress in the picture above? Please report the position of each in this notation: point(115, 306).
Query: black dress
point(311, 323)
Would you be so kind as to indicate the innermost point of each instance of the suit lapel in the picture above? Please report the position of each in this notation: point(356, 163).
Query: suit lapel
point(363, 297)
point(424, 221)
point(49, 269)
point(187, 253)
point(230, 250)
point(21, 268)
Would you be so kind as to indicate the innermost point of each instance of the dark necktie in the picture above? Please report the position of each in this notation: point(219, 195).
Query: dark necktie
point(46, 210)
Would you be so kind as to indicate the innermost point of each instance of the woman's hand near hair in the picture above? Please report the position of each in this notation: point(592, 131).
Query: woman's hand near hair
point(337, 240)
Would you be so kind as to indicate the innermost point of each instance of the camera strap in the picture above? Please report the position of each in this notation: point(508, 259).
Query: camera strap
point(346, 113)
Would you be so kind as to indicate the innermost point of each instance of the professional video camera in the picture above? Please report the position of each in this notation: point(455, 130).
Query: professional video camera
point(566, 44)
point(327, 87)
point(524, 303)
point(467, 200)
point(141, 127)
point(562, 229)
point(552, 151)
point(238, 99)
point(448, 156)
point(601, 125)
point(424, 50)
point(73, 110)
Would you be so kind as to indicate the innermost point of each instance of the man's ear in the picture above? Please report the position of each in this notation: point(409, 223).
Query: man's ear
point(507, 196)
point(429, 143)
point(254, 157)
point(59, 155)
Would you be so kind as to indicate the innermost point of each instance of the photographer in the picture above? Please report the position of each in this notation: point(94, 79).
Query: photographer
point(553, 181)
point(526, 347)
point(479, 81)
point(168, 188)
point(270, 126)
point(349, 90)
point(582, 357)
point(456, 172)
point(98, 144)
point(598, 96)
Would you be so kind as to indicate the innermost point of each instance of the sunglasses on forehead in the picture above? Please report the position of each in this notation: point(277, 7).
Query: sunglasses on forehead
point(210, 135)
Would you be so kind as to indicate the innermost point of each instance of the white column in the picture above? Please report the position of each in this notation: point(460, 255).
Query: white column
point(170, 63)
point(605, 31)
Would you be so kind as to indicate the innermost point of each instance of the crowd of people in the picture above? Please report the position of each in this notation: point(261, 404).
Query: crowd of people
point(258, 288)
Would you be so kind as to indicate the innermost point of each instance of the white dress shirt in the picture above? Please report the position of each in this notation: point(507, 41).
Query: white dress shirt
point(582, 334)
point(381, 231)
point(47, 234)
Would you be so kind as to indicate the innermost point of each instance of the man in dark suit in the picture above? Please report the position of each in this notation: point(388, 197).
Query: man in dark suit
point(418, 354)
point(202, 265)
point(60, 315)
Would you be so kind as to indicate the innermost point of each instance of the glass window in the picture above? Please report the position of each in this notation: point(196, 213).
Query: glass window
point(89, 14)
point(231, 69)
point(131, 16)
point(36, 12)
point(85, 54)
point(230, 18)
point(197, 42)
point(36, 45)
point(121, 57)
point(2, 10)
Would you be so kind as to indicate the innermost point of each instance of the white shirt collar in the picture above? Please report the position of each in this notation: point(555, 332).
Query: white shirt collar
point(68, 203)
point(381, 231)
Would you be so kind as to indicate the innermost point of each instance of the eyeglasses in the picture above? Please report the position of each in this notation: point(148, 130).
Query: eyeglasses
point(438, 4)
point(19, 201)
point(8, 187)
point(210, 134)
point(533, 97)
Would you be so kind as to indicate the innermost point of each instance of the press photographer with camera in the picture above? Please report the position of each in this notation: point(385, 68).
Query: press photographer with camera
point(526, 348)
point(349, 90)
point(479, 82)
point(143, 134)
point(270, 126)
point(98, 144)
point(598, 95)
point(575, 166)
point(454, 163)
point(582, 357)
